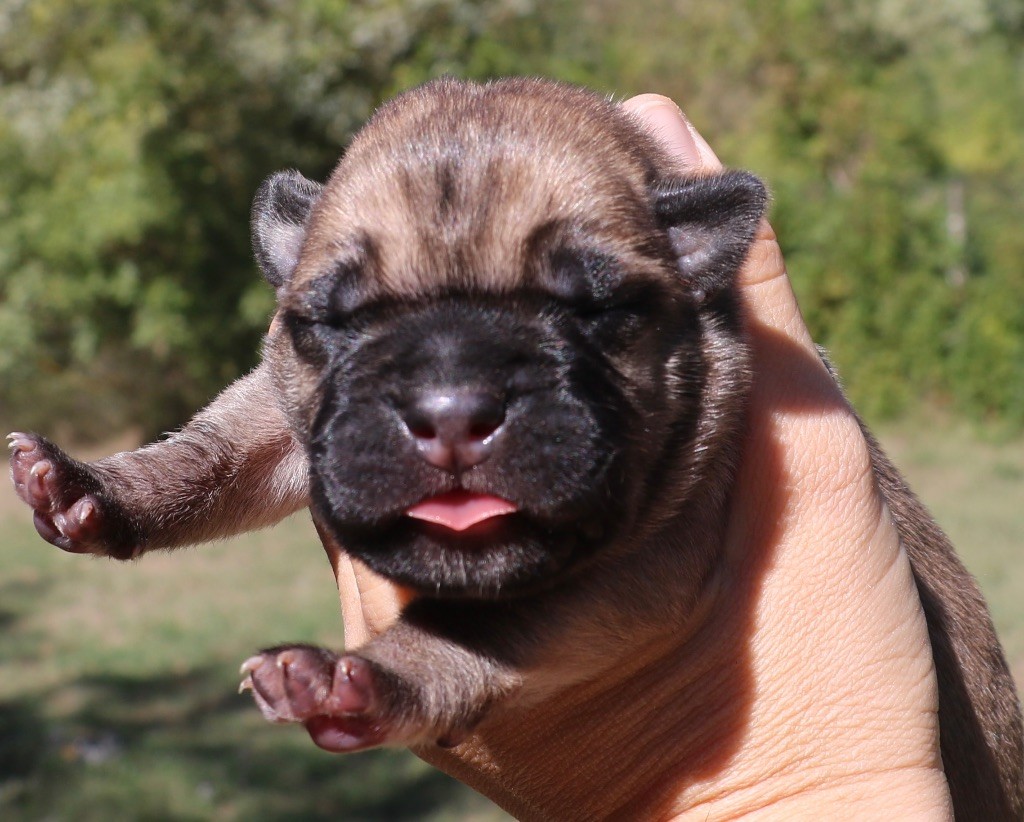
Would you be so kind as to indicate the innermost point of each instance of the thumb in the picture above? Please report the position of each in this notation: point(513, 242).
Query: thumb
point(763, 284)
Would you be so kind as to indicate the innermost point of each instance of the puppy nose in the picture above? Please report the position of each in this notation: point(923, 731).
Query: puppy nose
point(455, 429)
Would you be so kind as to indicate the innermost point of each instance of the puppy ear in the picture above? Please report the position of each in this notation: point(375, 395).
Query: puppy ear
point(279, 213)
point(711, 222)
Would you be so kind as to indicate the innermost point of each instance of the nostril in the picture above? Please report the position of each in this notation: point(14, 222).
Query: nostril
point(481, 429)
point(477, 415)
point(480, 432)
point(421, 429)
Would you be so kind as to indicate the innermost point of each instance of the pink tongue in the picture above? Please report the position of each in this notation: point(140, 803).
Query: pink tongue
point(460, 510)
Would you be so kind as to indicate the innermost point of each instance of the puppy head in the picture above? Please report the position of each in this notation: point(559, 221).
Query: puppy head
point(502, 331)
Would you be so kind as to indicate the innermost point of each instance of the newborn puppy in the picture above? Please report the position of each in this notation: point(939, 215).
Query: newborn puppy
point(509, 375)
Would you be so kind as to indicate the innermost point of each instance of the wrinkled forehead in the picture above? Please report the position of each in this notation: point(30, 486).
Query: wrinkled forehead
point(455, 195)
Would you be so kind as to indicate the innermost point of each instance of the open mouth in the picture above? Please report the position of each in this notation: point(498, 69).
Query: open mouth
point(460, 544)
point(460, 510)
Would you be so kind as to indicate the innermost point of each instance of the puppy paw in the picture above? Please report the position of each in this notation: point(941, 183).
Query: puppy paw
point(65, 497)
point(337, 698)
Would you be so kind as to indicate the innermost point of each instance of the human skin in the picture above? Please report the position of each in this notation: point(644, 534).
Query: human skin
point(804, 687)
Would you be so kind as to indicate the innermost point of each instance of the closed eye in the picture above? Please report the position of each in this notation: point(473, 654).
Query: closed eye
point(618, 320)
point(332, 296)
point(578, 275)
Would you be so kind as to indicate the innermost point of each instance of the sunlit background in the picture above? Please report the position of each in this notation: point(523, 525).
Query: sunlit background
point(132, 138)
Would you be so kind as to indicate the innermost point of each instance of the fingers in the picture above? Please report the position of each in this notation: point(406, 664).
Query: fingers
point(667, 122)
point(356, 630)
point(369, 603)
point(380, 599)
point(762, 281)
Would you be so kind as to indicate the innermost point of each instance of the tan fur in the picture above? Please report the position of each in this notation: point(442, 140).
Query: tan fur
point(471, 221)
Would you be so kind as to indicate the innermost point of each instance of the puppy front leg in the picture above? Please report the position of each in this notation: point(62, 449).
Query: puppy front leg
point(407, 686)
point(234, 467)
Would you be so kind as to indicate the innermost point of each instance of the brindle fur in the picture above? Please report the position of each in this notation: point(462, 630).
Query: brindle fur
point(469, 194)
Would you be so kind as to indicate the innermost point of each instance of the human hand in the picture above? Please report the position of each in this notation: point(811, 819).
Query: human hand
point(804, 689)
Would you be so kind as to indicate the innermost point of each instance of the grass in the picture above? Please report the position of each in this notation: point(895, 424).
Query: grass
point(118, 690)
point(974, 485)
point(117, 682)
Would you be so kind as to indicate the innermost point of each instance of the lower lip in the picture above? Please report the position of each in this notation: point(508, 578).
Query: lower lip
point(460, 511)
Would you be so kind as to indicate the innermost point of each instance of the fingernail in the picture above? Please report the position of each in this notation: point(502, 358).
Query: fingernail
point(663, 117)
point(708, 157)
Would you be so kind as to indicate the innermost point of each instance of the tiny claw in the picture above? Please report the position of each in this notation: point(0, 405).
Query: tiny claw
point(16, 439)
point(250, 665)
point(36, 474)
point(284, 659)
point(245, 685)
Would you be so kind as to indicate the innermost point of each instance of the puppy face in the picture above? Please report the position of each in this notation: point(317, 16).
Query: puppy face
point(500, 319)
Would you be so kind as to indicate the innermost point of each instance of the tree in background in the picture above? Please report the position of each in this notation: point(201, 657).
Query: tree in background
point(132, 137)
point(892, 135)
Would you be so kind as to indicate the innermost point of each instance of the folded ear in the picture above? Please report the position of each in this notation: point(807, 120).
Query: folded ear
point(711, 222)
point(279, 213)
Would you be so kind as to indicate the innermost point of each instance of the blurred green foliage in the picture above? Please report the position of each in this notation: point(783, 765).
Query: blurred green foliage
point(133, 135)
point(132, 138)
